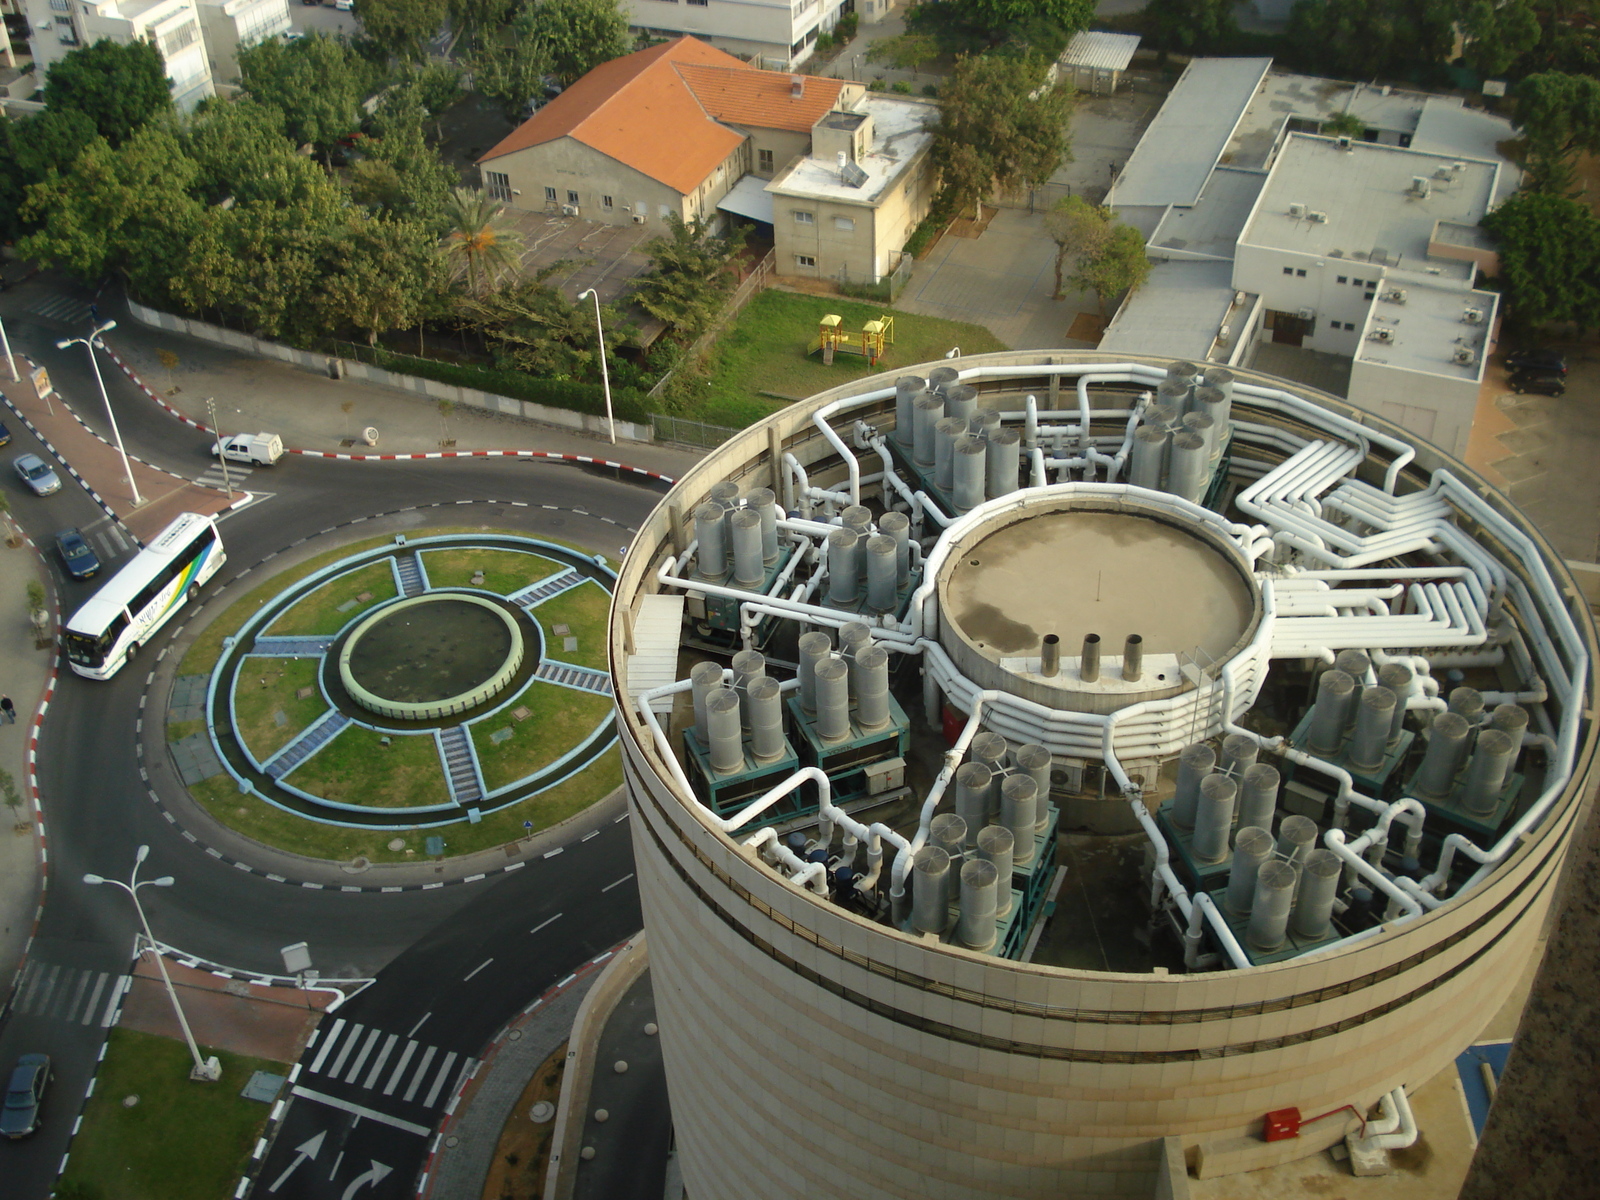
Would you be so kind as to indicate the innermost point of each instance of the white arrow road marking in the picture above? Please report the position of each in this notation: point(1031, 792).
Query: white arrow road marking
point(373, 1176)
point(306, 1149)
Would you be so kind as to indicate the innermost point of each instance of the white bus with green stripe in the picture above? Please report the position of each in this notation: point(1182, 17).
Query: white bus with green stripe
point(139, 599)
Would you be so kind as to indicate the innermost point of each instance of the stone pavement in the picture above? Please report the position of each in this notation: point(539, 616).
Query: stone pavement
point(228, 1014)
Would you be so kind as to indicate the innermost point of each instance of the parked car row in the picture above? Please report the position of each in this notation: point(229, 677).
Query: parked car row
point(1537, 370)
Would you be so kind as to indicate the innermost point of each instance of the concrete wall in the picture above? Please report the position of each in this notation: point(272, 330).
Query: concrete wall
point(430, 389)
point(1257, 269)
point(1430, 406)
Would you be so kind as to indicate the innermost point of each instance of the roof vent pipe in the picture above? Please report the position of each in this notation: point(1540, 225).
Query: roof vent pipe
point(1335, 698)
point(883, 583)
point(948, 832)
point(1173, 395)
point(1189, 466)
point(1297, 837)
point(1199, 422)
point(703, 677)
point(974, 781)
point(1269, 908)
point(1089, 664)
point(968, 473)
point(1239, 753)
point(898, 526)
point(1468, 702)
point(711, 559)
point(906, 390)
point(872, 687)
point(1374, 716)
point(725, 493)
point(929, 913)
point(722, 724)
point(1313, 904)
point(1488, 772)
point(1162, 416)
point(941, 378)
point(1050, 656)
point(844, 580)
point(766, 719)
point(978, 903)
point(927, 411)
point(1213, 818)
point(985, 422)
point(1253, 847)
point(1216, 404)
point(857, 518)
point(991, 750)
point(960, 400)
point(797, 86)
point(1035, 761)
point(1018, 797)
point(1258, 798)
point(1398, 678)
point(994, 846)
point(814, 647)
point(1185, 371)
point(946, 430)
point(747, 665)
point(1133, 658)
point(1194, 764)
point(1510, 718)
point(833, 699)
point(766, 506)
point(1003, 453)
point(749, 568)
point(1447, 749)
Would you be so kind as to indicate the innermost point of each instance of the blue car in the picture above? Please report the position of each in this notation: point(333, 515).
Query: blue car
point(36, 473)
point(25, 1096)
point(79, 560)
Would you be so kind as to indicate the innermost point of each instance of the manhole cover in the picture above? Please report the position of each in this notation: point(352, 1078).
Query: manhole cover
point(397, 844)
point(129, 1101)
point(541, 1112)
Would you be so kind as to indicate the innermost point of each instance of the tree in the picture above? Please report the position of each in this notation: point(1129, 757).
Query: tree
point(1027, 28)
point(243, 153)
point(478, 246)
point(1559, 116)
point(377, 275)
point(1359, 39)
point(1345, 124)
point(1549, 258)
point(1497, 34)
point(997, 129)
point(575, 35)
point(29, 150)
point(908, 52)
point(686, 283)
point(316, 82)
point(402, 173)
point(1191, 26)
point(476, 17)
point(1079, 229)
point(1120, 266)
point(119, 88)
point(511, 74)
point(402, 27)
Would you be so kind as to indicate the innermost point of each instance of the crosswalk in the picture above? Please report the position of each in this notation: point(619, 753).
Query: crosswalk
point(109, 541)
point(71, 994)
point(67, 309)
point(386, 1064)
point(237, 474)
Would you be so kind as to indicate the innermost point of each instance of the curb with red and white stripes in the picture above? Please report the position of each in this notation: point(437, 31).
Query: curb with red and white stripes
point(545, 454)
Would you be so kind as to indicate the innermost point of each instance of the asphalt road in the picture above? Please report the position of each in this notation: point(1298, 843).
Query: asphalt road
point(97, 810)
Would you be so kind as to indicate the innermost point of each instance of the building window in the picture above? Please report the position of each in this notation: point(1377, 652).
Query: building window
point(844, 223)
point(805, 260)
point(497, 185)
point(606, 203)
point(549, 195)
point(1358, 283)
point(811, 35)
point(1368, 295)
point(1301, 273)
point(697, 3)
point(764, 161)
point(184, 35)
point(1342, 279)
point(804, 218)
point(1288, 270)
point(572, 197)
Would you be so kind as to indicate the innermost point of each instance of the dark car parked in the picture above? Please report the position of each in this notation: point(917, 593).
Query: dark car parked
point(1539, 362)
point(1538, 383)
point(5, 434)
point(25, 1095)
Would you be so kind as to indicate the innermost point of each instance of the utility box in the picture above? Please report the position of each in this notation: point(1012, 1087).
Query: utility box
point(1281, 1124)
point(885, 776)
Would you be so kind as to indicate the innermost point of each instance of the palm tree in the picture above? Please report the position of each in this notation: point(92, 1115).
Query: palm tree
point(478, 245)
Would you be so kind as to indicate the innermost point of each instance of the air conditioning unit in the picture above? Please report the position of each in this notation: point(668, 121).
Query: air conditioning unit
point(1307, 314)
point(1297, 211)
point(639, 218)
point(1381, 335)
point(569, 210)
point(1463, 355)
point(1225, 335)
point(1394, 295)
point(1472, 316)
point(1345, 142)
point(1321, 218)
point(1420, 186)
point(1239, 297)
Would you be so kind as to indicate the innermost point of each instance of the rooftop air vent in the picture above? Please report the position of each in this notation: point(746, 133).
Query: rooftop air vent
point(1297, 211)
point(1472, 316)
point(1317, 216)
point(1394, 295)
point(1381, 335)
point(1463, 355)
point(1345, 142)
point(1420, 187)
point(797, 86)
point(1308, 314)
point(569, 210)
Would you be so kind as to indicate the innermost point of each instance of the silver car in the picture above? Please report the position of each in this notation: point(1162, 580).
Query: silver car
point(36, 473)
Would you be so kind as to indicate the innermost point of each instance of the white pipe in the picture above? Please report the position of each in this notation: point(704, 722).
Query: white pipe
point(1394, 1128)
point(1334, 840)
point(811, 875)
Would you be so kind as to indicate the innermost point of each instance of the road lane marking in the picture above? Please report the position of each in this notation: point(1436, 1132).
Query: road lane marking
point(400, 1067)
point(77, 996)
point(94, 1000)
point(49, 987)
point(327, 1045)
point(542, 924)
point(366, 1049)
point(618, 883)
point(349, 1045)
point(476, 969)
point(377, 1063)
point(593, 833)
point(439, 1080)
point(422, 1071)
point(418, 1025)
point(111, 1004)
point(362, 1110)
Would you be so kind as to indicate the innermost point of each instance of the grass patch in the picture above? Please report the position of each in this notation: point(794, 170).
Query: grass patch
point(321, 613)
point(178, 730)
point(582, 609)
point(357, 768)
point(765, 351)
point(182, 1141)
point(254, 818)
point(504, 571)
point(267, 686)
point(559, 718)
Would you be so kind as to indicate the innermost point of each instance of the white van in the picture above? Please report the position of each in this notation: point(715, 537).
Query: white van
point(262, 449)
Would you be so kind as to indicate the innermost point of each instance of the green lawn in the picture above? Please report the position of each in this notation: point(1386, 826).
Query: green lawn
point(323, 611)
point(559, 718)
point(267, 686)
point(178, 730)
point(182, 1141)
point(356, 768)
point(582, 609)
point(504, 571)
point(765, 350)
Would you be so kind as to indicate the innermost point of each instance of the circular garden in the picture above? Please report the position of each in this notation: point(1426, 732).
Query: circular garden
point(405, 698)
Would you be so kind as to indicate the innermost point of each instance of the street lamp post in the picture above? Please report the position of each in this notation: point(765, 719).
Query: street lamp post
point(605, 375)
point(207, 1070)
point(89, 343)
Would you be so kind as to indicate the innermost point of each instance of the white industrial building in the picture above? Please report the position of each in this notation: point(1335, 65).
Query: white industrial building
point(1264, 228)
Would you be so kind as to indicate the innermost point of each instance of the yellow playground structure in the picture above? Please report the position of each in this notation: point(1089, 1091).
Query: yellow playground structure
point(831, 339)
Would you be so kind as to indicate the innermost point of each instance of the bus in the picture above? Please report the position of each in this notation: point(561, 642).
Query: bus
point(139, 599)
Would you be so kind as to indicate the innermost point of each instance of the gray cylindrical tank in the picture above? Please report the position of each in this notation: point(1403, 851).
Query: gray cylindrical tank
point(988, 748)
point(833, 699)
point(1034, 761)
point(1018, 801)
point(722, 724)
point(1189, 468)
point(725, 493)
point(898, 526)
point(1258, 796)
point(1050, 655)
point(711, 559)
point(1002, 462)
point(749, 568)
point(1182, 370)
point(1510, 718)
point(979, 882)
point(929, 870)
point(1133, 658)
point(882, 577)
point(960, 400)
point(844, 581)
point(766, 719)
point(974, 782)
point(1336, 694)
point(1447, 750)
point(857, 518)
point(1313, 903)
point(1217, 405)
point(814, 647)
point(1194, 764)
point(1213, 818)
point(1492, 761)
point(1163, 416)
point(906, 390)
point(926, 411)
point(1148, 462)
point(946, 430)
point(968, 473)
point(1297, 837)
point(747, 665)
point(1397, 677)
point(940, 379)
point(995, 845)
point(1199, 422)
point(1269, 908)
point(1220, 378)
point(948, 831)
point(703, 677)
point(985, 422)
point(1374, 717)
point(765, 505)
point(1239, 753)
point(1354, 663)
point(1174, 394)
point(1089, 661)
point(1468, 702)
point(871, 675)
point(853, 636)
point(1252, 848)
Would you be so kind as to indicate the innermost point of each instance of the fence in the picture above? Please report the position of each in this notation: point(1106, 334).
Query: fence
point(684, 431)
point(758, 279)
point(1043, 199)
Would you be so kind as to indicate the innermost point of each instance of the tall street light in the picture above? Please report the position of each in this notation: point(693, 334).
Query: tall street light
point(605, 375)
point(89, 343)
point(206, 1070)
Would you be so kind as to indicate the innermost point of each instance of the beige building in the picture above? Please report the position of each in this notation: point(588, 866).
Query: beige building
point(58, 27)
point(781, 34)
point(874, 976)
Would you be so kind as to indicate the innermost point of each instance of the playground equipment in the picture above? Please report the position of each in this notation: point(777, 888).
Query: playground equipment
point(831, 339)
